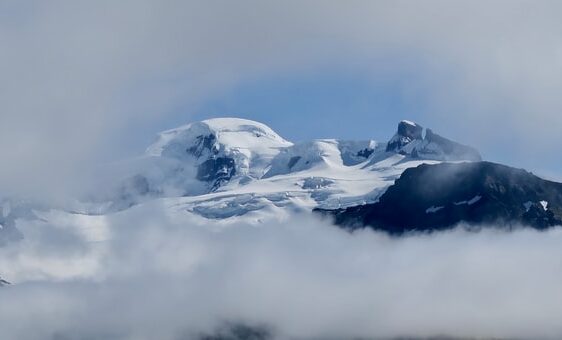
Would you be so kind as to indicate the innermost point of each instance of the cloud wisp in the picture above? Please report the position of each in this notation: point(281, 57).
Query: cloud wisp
point(159, 277)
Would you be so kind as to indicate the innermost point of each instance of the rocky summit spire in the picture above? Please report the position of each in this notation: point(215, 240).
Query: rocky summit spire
point(410, 140)
point(407, 132)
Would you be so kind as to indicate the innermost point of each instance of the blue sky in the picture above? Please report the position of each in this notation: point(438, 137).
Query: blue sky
point(325, 104)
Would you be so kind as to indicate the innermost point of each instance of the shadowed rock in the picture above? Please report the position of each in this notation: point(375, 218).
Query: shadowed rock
point(437, 197)
point(216, 170)
point(407, 132)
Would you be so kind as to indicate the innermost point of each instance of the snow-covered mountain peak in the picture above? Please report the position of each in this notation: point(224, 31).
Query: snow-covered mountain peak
point(226, 168)
point(221, 148)
point(214, 134)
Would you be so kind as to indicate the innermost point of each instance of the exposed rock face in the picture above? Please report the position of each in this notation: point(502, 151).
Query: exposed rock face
point(365, 153)
point(216, 171)
point(410, 130)
point(409, 141)
point(439, 196)
point(407, 132)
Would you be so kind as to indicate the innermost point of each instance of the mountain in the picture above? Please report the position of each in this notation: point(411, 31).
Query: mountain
point(230, 170)
point(439, 196)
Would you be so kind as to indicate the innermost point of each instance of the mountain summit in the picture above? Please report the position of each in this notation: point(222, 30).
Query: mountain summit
point(221, 148)
point(410, 140)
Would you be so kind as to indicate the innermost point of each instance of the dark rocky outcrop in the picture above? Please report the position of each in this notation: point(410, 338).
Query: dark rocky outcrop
point(409, 140)
point(438, 197)
point(410, 130)
point(365, 153)
point(407, 132)
point(293, 161)
point(216, 171)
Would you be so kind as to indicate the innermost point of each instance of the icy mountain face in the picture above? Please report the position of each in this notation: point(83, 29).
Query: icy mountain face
point(221, 148)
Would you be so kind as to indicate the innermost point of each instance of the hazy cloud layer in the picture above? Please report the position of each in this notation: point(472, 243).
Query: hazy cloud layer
point(78, 78)
point(159, 277)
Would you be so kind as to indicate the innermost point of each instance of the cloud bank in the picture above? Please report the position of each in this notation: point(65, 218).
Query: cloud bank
point(157, 277)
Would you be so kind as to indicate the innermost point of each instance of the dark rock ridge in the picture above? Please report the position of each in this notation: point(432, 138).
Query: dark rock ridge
point(438, 197)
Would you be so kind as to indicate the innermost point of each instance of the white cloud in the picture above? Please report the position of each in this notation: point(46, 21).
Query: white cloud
point(162, 277)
